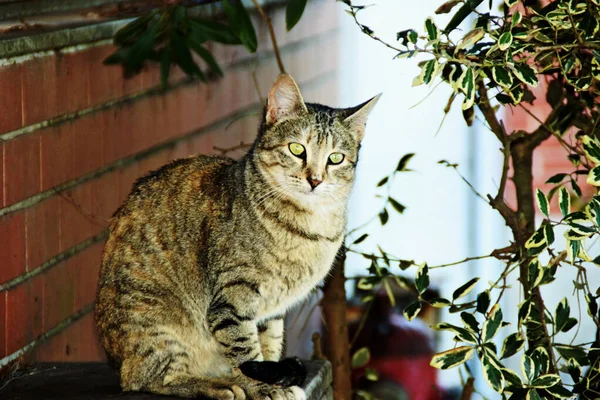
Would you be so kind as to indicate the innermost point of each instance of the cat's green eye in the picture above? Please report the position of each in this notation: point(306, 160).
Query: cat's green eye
point(336, 158)
point(297, 149)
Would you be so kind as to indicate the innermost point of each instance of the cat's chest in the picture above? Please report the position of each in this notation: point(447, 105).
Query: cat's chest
point(295, 273)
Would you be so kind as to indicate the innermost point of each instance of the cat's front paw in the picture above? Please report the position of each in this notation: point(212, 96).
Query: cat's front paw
point(288, 372)
point(273, 393)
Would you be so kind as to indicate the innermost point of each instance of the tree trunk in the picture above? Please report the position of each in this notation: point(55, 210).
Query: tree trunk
point(522, 161)
point(337, 347)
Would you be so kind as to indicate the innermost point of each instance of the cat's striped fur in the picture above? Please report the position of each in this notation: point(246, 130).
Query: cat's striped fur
point(207, 253)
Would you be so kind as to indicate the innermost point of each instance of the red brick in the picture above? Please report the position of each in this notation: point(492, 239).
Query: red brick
point(150, 76)
point(1, 175)
point(126, 177)
point(57, 155)
point(87, 144)
point(77, 343)
point(86, 267)
point(104, 81)
point(12, 246)
point(10, 101)
point(105, 198)
point(22, 168)
point(72, 77)
point(40, 90)
point(24, 313)
point(58, 294)
point(42, 232)
point(76, 216)
point(117, 140)
point(2, 324)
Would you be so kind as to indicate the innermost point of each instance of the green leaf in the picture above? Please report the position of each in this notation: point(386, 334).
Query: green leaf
point(574, 369)
point(429, 70)
point(535, 273)
point(502, 76)
point(564, 201)
point(412, 310)
point(526, 74)
point(396, 205)
point(559, 392)
point(462, 14)
point(371, 374)
point(183, 57)
point(241, 24)
point(532, 394)
point(557, 178)
point(293, 12)
point(513, 381)
point(492, 324)
point(206, 56)
point(471, 38)
point(541, 360)
point(594, 176)
point(466, 82)
point(536, 243)
point(527, 367)
point(568, 351)
point(383, 181)
point(549, 234)
point(422, 279)
point(505, 40)
point(545, 381)
point(483, 302)
point(515, 19)
point(563, 312)
point(361, 357)
point(463, 334)
point(512, 344)
point(542, 202)
point(470, 321)
point(576, 187)
point(165, 67)
point(361, 238)
point(130, 32)
point(384, 217)
point(439, 302)
point(452, 358)
point(433, 32)
point(492, 372)
point(447, 6)
point(591, 149)
point(212, 30)
point(464, 289)
point(404, 162)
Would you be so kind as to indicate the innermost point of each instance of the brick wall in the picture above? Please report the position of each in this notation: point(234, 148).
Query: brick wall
point(74, 136)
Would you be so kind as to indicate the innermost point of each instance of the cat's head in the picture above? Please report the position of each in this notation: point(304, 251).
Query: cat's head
point(308, 151)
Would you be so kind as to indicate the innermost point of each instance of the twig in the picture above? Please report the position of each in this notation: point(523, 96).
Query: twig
point(468, 389)
point(267, 20)
point(225, 150)
point(317, 349)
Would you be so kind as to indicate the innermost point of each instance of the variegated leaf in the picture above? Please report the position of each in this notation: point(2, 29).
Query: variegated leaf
point(564, 200)
point(492, 373)
point(464, 289)
point(542, 202)
point(545, 381)
point(594, 176)
point(492, 324)
point(505, 40)
point(452, 358)
point(512, 344)
point(591, 149)
point(412, 310)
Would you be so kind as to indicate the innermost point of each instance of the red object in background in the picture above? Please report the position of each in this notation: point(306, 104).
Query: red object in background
point(400, 353)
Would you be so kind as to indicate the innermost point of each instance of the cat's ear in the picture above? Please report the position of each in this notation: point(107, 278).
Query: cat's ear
point(356, 117)
point(284, 100)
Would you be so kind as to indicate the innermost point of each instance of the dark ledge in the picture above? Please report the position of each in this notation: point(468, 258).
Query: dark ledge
point(96, 381)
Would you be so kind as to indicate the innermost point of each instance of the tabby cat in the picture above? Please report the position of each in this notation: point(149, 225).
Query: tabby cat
point(207, 254)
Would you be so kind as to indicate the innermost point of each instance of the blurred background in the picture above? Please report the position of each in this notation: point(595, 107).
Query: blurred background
point(74, 135)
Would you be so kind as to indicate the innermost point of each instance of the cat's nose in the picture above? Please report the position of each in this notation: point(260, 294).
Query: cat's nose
point(314, 182)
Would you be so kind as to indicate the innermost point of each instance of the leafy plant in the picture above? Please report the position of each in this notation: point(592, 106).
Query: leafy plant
point(504, 53)
point(174, 33)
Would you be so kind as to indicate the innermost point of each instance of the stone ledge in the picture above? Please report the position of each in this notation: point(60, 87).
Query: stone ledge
point(97, 381)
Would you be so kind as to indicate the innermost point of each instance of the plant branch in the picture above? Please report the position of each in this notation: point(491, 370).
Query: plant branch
point(267, 20)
